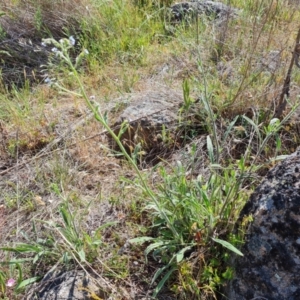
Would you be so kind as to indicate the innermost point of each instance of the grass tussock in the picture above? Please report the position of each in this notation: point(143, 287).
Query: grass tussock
point(138, 229)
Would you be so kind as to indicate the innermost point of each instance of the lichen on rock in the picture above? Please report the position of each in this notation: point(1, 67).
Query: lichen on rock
point(270, 267)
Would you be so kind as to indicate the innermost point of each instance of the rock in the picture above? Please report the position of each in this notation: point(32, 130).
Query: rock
point(75, 285)
point(270, 266)
point(217, 10)
point(150, 117)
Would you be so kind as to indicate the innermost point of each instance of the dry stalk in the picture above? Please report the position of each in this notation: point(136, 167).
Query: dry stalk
point(285, 93)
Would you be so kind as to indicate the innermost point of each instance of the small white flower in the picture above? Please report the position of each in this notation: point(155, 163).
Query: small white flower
point(54, 49)
point(72, 40)
point(43, 44)
point(86, 52)
point(48, 80)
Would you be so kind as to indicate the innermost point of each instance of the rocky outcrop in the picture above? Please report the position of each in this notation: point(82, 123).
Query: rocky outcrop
point(270, 267)
point(217, 10)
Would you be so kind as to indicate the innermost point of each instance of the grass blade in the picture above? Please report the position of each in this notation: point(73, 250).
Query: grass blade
point(228, 246)
point(28, 281)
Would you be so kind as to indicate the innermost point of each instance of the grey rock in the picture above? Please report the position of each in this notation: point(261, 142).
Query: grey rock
point(148, 113)
point(270, 266)
point(75, 285)
point(217, 10)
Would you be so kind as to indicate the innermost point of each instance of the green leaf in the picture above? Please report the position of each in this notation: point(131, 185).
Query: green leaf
point(186, 95)
point(38, 256)
point(278, 143)
point(104, 226)
point(22, 248)
point(141, 240)
point(180, 254)
point(210, 149)
point(274, 125)
point(228, 246)
point(81, 254)
point(66, 216)
point(34, 229)
point(15, 261)
point(154, 246)
point(124, 126)
point(162, 282)
point(157, 273)
point(20, 275)
point(27, 282)
point(66, 257)
point(97, 242)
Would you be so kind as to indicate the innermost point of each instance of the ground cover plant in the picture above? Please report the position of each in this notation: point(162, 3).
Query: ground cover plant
point(161, 231)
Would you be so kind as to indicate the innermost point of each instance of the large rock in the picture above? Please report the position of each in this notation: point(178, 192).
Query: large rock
point(217, 10)
point(270, 268)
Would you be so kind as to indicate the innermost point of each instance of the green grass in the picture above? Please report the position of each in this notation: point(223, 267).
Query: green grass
point(119, 31)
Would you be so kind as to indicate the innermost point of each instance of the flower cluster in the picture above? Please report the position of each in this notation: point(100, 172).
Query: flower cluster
point(61, 50)
point(61, 45)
